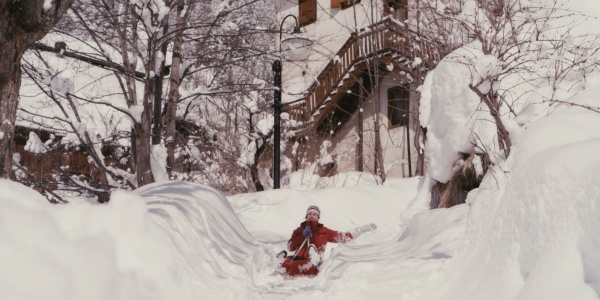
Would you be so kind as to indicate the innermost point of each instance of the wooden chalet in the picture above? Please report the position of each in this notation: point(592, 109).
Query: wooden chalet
point(368, 77)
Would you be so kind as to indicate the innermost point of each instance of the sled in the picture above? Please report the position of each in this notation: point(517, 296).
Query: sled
point(299, 266)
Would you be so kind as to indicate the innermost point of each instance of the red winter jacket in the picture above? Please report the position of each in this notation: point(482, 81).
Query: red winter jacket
point(320, 236)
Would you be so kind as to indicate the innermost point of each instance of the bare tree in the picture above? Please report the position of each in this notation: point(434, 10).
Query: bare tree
point(518, 47)
point(213, 67)
point(515, 37)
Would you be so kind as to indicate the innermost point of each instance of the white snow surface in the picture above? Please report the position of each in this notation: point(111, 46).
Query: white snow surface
point(530, 231)
point(158, 163)
point(35, 144)
point(180, 240)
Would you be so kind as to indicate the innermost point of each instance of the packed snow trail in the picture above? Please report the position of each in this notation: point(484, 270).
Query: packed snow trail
point(394, 262)
point(396, 268)
point(221, 254)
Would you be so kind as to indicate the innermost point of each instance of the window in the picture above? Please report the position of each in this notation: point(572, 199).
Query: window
point(398, 9)
point(348, 3)
point(398, 105)
point(308, 12)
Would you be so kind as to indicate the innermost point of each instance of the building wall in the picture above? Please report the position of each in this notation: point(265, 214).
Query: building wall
point(334, 21)
point(331, 19)
point(393, 140)
point(331, 29)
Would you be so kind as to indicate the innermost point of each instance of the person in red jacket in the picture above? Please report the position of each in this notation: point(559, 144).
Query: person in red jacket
point(309, 241)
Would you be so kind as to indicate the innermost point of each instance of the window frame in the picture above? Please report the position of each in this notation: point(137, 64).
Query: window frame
point(307, 12)
point(397, 5)
point(396, 102)
point(349, 3)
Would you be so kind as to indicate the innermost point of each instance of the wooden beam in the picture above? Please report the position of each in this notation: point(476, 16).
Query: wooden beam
point(60, 49)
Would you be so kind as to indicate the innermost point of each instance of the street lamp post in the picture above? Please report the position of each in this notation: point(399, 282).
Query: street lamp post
point(295, 42)
point(277, 125)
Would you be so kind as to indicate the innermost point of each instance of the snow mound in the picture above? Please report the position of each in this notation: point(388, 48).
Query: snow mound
point(533, 222)
point(213, 250)
point(74, 251)
point(454, 121)
point(165, 241)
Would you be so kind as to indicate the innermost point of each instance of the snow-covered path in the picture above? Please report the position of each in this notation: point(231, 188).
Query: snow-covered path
point(397, 261)
point(382, 268)
point(179, 240)
point(225, 248)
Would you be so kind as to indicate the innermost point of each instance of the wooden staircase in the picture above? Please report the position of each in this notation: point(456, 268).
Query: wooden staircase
point(383, 38)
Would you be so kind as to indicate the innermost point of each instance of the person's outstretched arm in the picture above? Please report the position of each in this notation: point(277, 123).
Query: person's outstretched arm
point(334, 236)
point(343, 237)
point(363, 229)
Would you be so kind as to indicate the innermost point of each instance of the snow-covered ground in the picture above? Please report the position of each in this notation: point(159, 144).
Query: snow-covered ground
point(530, 231)
point(179, 240)
point(530, 235)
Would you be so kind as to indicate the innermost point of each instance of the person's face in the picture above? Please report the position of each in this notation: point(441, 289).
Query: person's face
point(312, 216)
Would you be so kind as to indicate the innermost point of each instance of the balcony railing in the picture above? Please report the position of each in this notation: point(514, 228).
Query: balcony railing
point(383, 37)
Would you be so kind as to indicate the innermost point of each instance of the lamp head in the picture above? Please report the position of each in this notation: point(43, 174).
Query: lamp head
point(296, 46)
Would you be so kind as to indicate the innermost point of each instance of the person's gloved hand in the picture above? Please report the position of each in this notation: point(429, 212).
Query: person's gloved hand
point(362, 229)
point(307, 233)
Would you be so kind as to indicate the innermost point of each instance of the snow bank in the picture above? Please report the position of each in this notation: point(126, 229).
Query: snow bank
point(400, 268)
point(179, 240)
point(212, 250)
point(76, 251)
point(171, 241)
point(533, 222)
point(456, 120)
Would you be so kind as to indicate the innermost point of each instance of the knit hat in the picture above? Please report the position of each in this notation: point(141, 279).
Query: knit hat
point(315, 209)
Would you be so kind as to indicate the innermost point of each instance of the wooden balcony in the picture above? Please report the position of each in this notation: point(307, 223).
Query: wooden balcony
point(386, 37)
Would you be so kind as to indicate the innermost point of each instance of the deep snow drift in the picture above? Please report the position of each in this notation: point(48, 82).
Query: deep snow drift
point(533, 222)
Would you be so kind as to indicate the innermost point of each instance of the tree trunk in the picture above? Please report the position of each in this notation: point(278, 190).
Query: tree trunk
point(419, 131)
point(10, 82)
point(129, 64)
point(254, 167)
point(420, 141)
point(143, 137)
point(359, 146)
point(173, 98)
point(22, 23)
point(379, 165)
point(158, 87)
point(171, 111)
